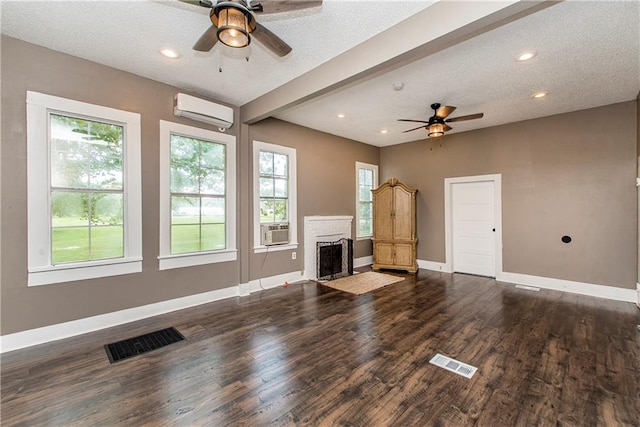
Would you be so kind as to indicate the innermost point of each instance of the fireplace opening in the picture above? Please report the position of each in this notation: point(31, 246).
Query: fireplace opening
point(334, 259)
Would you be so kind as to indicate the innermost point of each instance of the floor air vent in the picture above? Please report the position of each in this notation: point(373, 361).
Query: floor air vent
point(133, 346)
point(453, 365)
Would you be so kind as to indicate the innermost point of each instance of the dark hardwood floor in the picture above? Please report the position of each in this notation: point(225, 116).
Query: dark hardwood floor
point(311, 355)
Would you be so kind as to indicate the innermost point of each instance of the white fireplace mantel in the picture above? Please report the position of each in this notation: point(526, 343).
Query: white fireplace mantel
point(322, 229)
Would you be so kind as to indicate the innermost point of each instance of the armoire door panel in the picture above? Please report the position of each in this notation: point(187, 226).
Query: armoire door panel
point(403, 254)
point(403, 217)
point(384, 253)
point(382, 219)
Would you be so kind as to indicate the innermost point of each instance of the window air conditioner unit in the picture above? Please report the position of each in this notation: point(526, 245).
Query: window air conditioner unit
point(274, 234)
point(203, 111)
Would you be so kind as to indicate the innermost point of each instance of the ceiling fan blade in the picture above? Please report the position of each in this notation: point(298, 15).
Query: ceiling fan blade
point(411, 130)
point(409, 120)
point(463, 118)
point(447, 128)
point(203, 3)
point(207, 40)
point(444, 111)
point(272, 42)
point(278, 6)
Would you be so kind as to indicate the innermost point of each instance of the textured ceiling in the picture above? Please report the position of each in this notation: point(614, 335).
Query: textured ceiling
point(129, 34)
point(588, 55)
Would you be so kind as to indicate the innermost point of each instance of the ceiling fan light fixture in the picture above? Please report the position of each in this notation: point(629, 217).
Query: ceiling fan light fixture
point(234, 22)
point(435, 130)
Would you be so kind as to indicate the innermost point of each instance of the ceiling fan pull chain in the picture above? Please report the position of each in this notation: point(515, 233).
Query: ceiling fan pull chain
point(221, 56)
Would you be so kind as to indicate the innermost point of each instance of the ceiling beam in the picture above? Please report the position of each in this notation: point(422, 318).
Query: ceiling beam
point(431, 30)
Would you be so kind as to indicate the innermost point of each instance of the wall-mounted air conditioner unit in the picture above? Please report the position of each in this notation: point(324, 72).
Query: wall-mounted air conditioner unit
point(274, 234)
point(203, 111)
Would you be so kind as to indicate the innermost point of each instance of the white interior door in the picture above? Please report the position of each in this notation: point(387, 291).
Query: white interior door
point(473, 227)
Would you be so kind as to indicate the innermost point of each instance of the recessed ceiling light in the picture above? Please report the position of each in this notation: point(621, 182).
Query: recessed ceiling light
point(526, 55)
point(169, 53)
point(384, 131)
point(341, 116)
point(397, 86)
point(539, 95)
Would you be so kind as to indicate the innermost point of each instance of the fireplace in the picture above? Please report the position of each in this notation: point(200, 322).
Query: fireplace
point(334, 259)
point(322, 229)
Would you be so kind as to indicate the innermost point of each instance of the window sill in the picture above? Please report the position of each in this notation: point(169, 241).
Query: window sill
point(274, 248)
point(168, 262)
point(364, 238)
point(84, 271)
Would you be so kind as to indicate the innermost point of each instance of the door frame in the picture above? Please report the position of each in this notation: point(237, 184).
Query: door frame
point(497, 212)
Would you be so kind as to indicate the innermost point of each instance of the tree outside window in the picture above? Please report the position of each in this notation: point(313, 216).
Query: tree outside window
point(274, 184)
point(86, 191)
point(198, 210)
point(367, 180)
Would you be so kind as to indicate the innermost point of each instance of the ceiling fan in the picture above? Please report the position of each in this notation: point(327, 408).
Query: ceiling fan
point(234, 22)
point(436, 126)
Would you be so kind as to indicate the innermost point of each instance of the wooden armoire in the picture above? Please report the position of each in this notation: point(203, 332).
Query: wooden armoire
point(394, 226)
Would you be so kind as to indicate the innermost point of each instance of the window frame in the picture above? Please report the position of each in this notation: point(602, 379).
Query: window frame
point(292, 213)
point(167, 260)
point(374, 169)
point(40, 269)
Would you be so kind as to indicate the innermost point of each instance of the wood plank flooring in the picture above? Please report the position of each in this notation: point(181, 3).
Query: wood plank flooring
point(312, 355)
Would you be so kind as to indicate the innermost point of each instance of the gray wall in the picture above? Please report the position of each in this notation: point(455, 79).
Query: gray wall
point(29, 67)
point(568, 174)
point(326, 186)
point(326, 183)
point(638, 187)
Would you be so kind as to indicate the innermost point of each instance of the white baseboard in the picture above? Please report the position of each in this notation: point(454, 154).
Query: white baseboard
point(244, 289)
point(432, 265)
point(59, 331)
point(363, 261)
point(589, 289)
point(601, 291)
point(274, 281)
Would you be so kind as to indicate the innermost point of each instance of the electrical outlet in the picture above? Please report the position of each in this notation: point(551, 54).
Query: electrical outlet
point(293, 255)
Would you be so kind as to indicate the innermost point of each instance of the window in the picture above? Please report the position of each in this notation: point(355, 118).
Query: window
point(366, 180)
point(197, 196)
point(274, 186)
point(274, 191)
point(84, 214)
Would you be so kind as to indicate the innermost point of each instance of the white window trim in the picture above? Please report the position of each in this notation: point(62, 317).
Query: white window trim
point(40, 269)
point(230, 253)
point(293, 197)
point(374, 168)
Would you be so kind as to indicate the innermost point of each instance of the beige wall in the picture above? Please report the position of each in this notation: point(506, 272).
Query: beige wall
point(326, 184)
point(568, 174)
point(638, 187)
point(29, 67)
